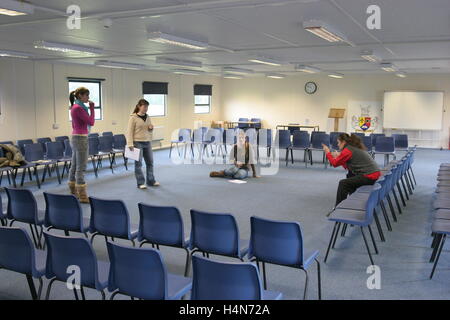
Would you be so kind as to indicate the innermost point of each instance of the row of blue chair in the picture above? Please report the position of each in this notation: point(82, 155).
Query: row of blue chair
point(440, 227)
point(359, 209)
point(256, 123)
point(273, 242)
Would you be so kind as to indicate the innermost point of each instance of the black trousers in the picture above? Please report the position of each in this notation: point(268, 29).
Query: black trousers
point(349, 185)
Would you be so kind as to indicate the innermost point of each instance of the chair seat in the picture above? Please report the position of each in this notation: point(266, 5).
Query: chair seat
point(441, 226)
point(442, 214)
point(244, 247)
point(385, 152)
point(177, 286)
point(118, 150)
point(349, 216)
point(299, 148)
point(134, 231)
point(441, 204)
point(6, 169)
point(41, 260)
point(354, 204)
point(444, 183)
point(443, 189)
point(104, 153)
point(103, 274)
point(272, 295)
point(365, 189)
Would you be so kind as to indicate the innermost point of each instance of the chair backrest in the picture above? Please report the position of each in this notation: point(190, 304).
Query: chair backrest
point(278, 242)
point(184, 135)
point(43, 141)
point(333, 139)
point(293, 128)
point(230, 136)
point(64, 253)
point(214, 280)
point(137, 272)
point(63, 211)
point(34, 152)
point(107, 133)
point(243, 125)
point(16, 250)
point(300, 139)
point(6, 142)
point(257, 124)
point(319, 138)
point(359, 134)
point(119, 141)
point(161, 225)
point(93, 146)
point(384, 144)
point(401, 141)
point(55, 150)
point(22, 205)
point(67, 148)
point(110, 218)
point(105, 143)
point(283, 137)
point(213, 136)
point(375, 136)
point(93, 135)
point(22, 143)
point(367, 141)
point(61, 138)
point(372, 201)
point(198, 135)
point(214, 233)
point(265, 138)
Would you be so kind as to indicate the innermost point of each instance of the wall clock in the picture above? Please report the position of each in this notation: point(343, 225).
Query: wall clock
point(310, 87)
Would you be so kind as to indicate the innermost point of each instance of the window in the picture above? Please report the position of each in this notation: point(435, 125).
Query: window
point(202, 98)
point(157, 107)
point(95, 93)
point(156, 94)
point(202, 104)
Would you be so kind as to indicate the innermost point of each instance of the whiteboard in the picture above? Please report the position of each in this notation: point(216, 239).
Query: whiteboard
point(414, 110)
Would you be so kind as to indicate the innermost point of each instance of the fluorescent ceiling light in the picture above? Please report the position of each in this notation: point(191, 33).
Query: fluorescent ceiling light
point(336, 75)
point(267, 61)
point(401, 74)
point(369, 56)
point(67, 48)
point(307, 69)
point(237, 70)
point(188, 72)
point(166, 38)
point(14, 54)
point(15, 8)
point(232, 76)
point(119, 65)
point(177, 62)
point(388, 67)
point(275, 76)
point(323, 31)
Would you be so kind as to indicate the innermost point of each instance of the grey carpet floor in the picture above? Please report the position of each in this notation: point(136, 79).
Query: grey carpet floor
point(295, 193)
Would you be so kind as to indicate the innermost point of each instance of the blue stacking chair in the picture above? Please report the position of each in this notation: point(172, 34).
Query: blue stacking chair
point(10, 172)
point(21, 144)
point(401, 142)
point(33, 155)
point(93, 135)
point(119, 145)
point(229, 138)
point(257, 124)
point(184, 138)
point(375, 136)
point(43, 142)
point(110, 218)
point(93, 146)
point(67, 149)
point(55, 152)
point(162, 226)
point(283, 139)
point(359, 134)
point(281, 243)
point(198, 137)
point(243, 125)
point(333, 139)
point(141, 273)
point(22, 207)
point(6, 142)
point(301, 141)
point(317, 139)
point(294, 127)
point(61, 138)
point(265, 140)
point(216, 233)
point(3, 216)
point(212, 137)
point(18, 254)
point(63, 212)
point(214, 280)
point(358, 218)
point(105, 148)
point(107, 133)
point(367, 141)
point(386, 147)
point(66, 252)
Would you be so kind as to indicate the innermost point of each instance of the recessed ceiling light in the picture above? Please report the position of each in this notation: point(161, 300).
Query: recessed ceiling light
point(237, 70)
point(335, 75)
point(14, 54)
point(369, 56)
point(306, 69)
point(401, 74)
point(188, 72)
point(388, 67)
point(323, 31)
point(267, 61)
point(15, 8)
point(67, 48)
point(166, 38)
point(119, 65)
point(275, 76)
point(177, 62)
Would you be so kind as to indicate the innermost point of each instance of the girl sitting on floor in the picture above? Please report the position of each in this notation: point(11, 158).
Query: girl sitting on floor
point(243, 157)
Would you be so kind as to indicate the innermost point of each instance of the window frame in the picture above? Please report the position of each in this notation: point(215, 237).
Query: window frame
point(165, 104)
point(100, 91)
point(203, 105)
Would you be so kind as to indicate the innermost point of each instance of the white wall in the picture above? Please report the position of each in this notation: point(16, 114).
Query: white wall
point(281, 101)
point(35, 94)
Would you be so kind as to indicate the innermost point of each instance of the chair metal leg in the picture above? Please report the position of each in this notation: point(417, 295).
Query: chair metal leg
point(367, 246)
point(170, 151)
point(336, 235)
point(435, 245)
point(186, 268)
point(319, 281)
point(438, 255)
point(306, 284)
point(373, 239)
point(386, 218)
point(49, 288)
point(410, 179)
point(331, 241)
point(399, 189)
point(75, 293)
point(36, 173)
point(391, 206)
point(264, 275)
point(32, 287)
point(396, 201)
point(83, 297)
point(34, 237)
point(378, 224)
point(394, 217)
point(404, 188)
point(103, 295)
point(412, 173)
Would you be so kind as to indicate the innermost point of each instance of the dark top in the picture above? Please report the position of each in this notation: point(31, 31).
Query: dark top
point(144, 117)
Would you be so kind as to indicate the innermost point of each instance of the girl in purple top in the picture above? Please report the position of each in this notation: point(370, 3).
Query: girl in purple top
point(82, 119)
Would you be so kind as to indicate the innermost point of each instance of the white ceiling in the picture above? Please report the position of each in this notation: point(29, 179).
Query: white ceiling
point(414, 35)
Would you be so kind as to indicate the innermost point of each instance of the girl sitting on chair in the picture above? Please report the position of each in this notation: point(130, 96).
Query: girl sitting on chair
point(243, 157)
